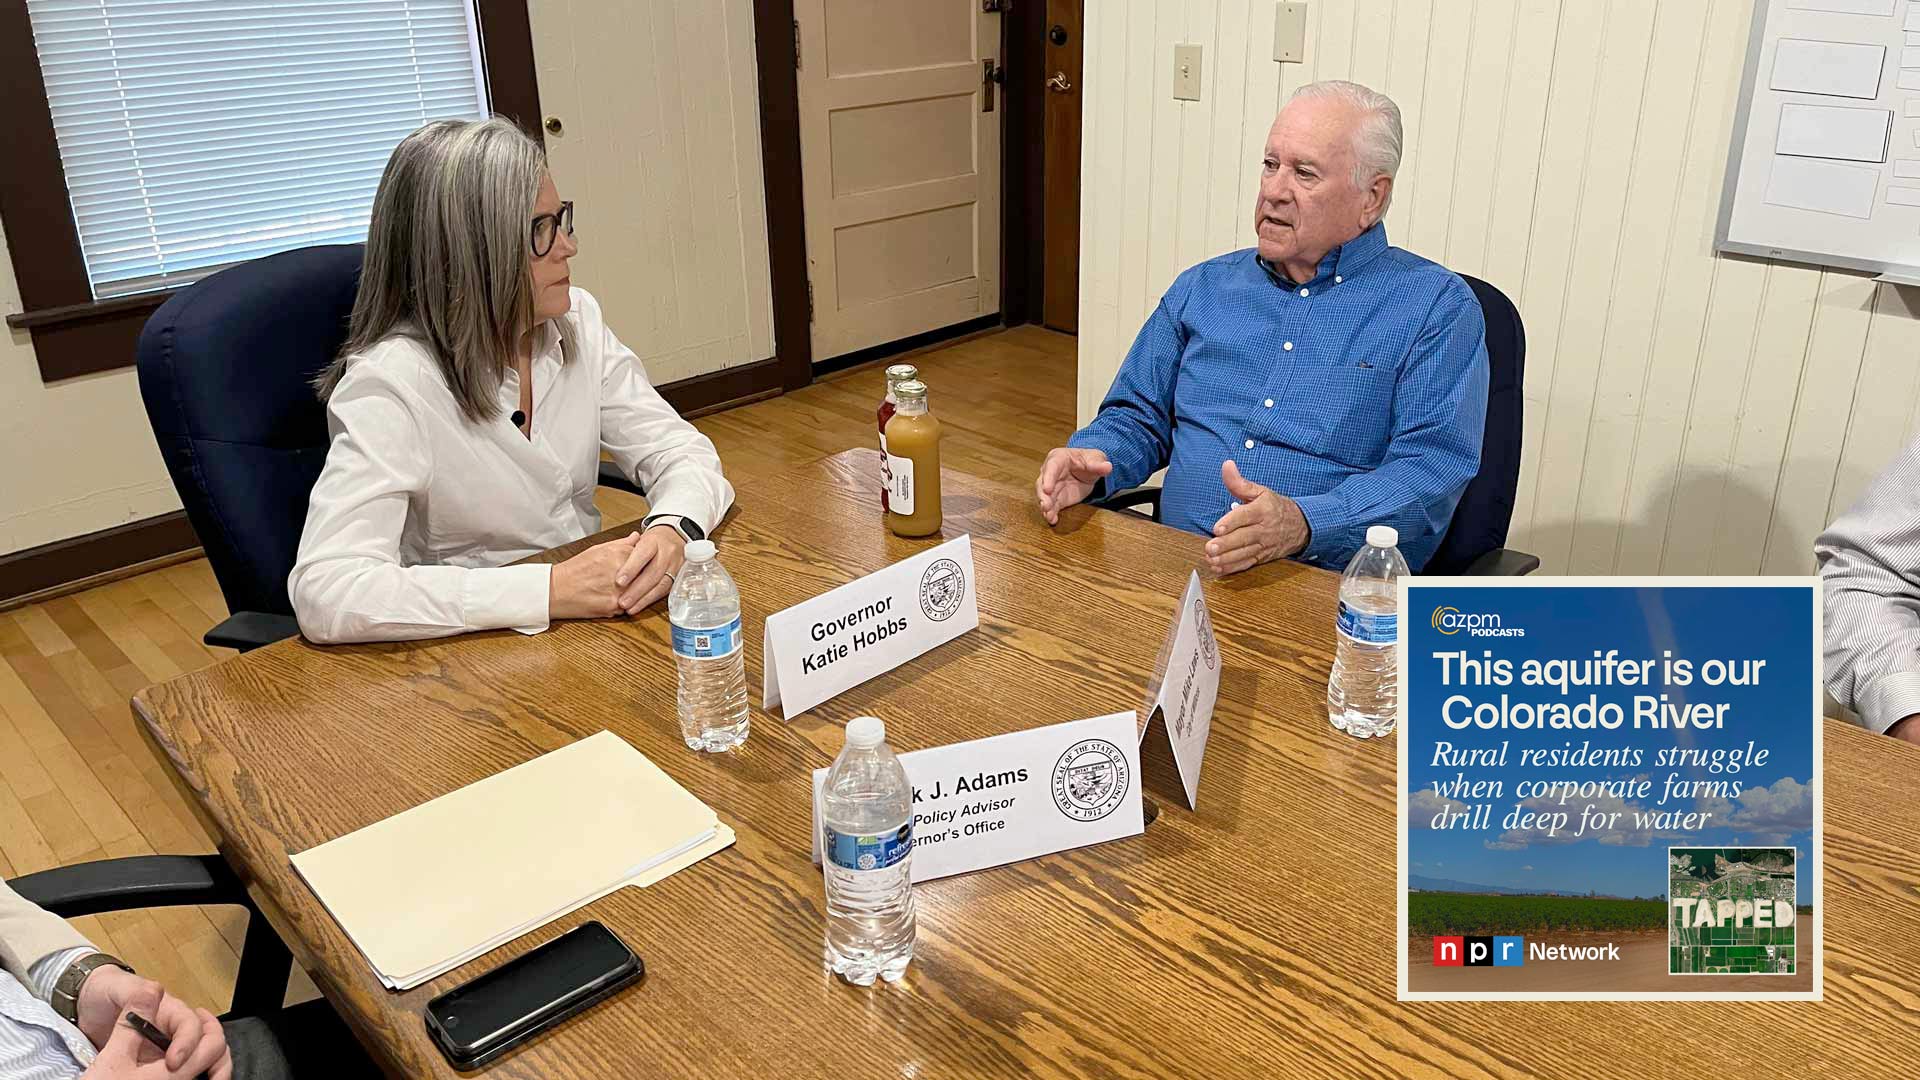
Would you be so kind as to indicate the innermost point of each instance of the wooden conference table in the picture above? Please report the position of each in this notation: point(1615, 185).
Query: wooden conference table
point(1253, 938)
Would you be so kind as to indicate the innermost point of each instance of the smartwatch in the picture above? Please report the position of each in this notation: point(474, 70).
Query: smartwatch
point(65, 997)
point(688, 529)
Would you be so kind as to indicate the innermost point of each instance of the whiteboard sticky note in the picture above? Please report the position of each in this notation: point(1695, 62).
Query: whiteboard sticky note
point(1835, 68)
point(1844, 7)
point(1826, 187)
point(1828, 131)
point(1910, 80)
point(1903, 196)
point(1907, 168)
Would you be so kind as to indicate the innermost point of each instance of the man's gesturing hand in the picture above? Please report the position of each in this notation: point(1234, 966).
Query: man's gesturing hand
point(1066, 477)
point(1264, 526)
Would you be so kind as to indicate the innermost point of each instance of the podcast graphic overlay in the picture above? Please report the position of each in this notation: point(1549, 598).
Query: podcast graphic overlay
point(1610, 789)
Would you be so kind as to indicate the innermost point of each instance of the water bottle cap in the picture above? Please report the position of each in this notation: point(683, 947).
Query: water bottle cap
point(1381, 536)
point(866, 732)
point(700, 550)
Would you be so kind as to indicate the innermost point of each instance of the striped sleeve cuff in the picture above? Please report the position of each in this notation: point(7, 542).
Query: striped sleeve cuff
point(1888, 699)
point(47, 970)
point(513, 597)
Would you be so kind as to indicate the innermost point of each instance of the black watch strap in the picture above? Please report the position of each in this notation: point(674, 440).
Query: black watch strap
point(688, 528)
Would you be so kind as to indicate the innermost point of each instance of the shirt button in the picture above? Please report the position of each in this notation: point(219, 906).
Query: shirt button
point(1269, 403)
point(1303, 292)
point(1337, 279)
point(1288, 346)
point(1249, 444)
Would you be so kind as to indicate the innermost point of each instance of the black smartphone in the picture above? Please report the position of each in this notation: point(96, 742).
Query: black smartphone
point(479, 1021)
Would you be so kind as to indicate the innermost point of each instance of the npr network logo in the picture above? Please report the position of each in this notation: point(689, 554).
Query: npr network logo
point(1500, 951)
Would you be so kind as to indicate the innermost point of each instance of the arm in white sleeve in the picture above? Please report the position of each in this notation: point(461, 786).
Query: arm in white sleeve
point(1870, 577)
point(348, 583)
point(672, 462)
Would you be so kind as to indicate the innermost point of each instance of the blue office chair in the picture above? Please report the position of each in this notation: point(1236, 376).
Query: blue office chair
point(1475, 539)
point(226, 370)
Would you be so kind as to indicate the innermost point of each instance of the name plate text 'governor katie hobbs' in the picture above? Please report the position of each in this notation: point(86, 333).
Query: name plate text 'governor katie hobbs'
point(834, 642)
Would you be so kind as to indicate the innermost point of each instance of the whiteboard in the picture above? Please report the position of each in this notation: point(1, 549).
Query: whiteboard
point(1824, 165)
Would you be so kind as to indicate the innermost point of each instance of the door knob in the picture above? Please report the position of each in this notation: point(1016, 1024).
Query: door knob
point(1059, 84)
point(553, 126)
point(1057, 35)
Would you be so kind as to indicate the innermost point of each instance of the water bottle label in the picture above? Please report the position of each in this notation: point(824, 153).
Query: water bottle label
point(704, 644)
point(849, 852)
point(1369, 628)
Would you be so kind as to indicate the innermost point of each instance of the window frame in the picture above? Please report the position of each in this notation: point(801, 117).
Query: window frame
point(74, 334)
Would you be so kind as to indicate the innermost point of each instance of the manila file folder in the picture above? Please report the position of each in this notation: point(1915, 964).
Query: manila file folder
point(432, 887)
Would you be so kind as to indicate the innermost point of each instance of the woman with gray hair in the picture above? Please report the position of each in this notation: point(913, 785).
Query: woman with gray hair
point(468, 410)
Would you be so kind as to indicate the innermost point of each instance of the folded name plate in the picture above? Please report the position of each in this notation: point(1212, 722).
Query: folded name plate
point(832, 643)
point(1016, 796)
point(1185, 687)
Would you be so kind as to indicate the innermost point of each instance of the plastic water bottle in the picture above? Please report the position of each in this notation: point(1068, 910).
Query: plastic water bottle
point(866, 847)
point(704, 609)
point(1363, 696)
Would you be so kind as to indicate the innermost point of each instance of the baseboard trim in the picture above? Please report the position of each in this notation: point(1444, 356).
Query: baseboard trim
point(699, 395)
point(911, 346)
point(82, 562)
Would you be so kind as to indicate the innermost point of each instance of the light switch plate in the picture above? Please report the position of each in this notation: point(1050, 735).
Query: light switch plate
point(1290, 32)
point(1186, 72)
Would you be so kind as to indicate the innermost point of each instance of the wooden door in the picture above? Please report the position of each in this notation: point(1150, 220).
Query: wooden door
point(1060, 213)
point(900, 159)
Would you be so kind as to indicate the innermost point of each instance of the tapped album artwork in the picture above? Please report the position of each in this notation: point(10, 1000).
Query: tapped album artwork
point(1610, 789)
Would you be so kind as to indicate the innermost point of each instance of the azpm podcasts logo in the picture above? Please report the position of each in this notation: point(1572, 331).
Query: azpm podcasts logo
point(1451, 620)
point(1501, 950)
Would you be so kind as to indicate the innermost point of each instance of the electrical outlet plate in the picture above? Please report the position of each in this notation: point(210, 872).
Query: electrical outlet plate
point(1290, 32)
point(1186, 72)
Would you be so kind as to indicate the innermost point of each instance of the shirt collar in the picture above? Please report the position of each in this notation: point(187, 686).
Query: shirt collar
point(1342, 262)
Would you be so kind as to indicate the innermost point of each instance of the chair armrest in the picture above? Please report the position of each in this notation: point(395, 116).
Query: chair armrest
point(1504, 562)
point(249, 630)
point(612, 477)
point(139, 881)
point(1122, 500)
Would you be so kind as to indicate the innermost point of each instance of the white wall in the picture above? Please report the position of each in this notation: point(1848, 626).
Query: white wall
point(76, 456)
point(1686, 413)
point(661, 155)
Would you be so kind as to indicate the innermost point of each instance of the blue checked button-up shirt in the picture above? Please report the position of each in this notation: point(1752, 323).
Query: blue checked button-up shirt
point(1360, 394)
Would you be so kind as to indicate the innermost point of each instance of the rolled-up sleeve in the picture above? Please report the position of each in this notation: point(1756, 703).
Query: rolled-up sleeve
point(1134, 426)
point(1869, 560)
point(349, 583)
point(669, 458)
point(1439, 416)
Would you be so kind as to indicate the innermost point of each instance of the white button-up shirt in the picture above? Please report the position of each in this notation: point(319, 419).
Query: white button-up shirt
point(417, 509)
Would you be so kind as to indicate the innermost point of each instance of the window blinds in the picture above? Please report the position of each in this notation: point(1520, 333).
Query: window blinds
point(200, 133)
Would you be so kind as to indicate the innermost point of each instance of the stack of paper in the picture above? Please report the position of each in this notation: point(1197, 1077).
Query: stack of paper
point(428, 890)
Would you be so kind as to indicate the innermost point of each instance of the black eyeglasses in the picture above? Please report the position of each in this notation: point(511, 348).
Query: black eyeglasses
point(548, 226)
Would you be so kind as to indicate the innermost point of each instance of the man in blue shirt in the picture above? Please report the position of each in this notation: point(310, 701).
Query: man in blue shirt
point(1305, 389)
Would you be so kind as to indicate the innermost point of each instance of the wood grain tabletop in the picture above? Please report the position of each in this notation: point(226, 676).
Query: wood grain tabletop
point(1252, 938)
